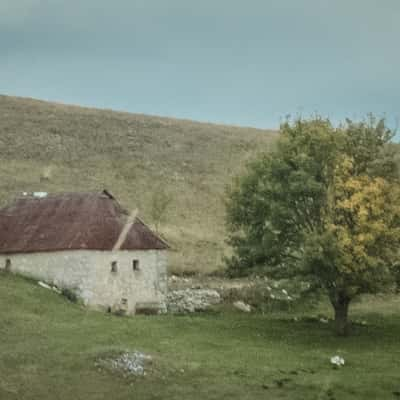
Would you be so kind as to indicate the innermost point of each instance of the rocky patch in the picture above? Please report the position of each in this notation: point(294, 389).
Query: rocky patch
point(191, 300)
point(129, 363)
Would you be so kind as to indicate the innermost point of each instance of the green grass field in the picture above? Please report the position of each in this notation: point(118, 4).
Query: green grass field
point(57, 148)
point(49, 347)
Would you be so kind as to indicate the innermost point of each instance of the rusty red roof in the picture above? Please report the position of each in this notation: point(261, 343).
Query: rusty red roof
point(71, 221)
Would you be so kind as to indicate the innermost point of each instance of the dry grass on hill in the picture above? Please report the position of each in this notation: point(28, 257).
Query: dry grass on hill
point(54, 147)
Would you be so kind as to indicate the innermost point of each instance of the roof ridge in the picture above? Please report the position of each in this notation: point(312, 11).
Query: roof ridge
point(71, 221)
point(156, 234)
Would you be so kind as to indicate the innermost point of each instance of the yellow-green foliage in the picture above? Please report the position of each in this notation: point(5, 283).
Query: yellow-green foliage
point(366, 216)
point(324, 205)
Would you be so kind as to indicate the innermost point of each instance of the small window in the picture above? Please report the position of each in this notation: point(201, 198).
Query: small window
point(135, 265)
point(114, 266)
point(124, 302)
point(8, 264)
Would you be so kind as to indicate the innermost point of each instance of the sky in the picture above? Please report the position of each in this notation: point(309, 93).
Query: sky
point(248, 63)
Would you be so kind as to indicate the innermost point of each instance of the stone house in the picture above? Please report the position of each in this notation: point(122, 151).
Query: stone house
point(87, 243)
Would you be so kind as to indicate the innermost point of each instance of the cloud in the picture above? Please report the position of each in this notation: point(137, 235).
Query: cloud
point(16, 12)
point(333, 56)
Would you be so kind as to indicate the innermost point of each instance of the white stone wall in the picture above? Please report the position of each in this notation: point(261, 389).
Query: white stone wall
point(88, 273)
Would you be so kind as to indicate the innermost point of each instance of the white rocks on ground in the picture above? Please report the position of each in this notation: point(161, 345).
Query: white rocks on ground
point(133, 363)
point(46, 286)
point(191, 300)
point(240, 305)
point(337, 361)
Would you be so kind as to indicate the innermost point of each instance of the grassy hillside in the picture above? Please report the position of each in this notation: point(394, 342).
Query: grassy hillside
point(49, 348)
point(53, 147)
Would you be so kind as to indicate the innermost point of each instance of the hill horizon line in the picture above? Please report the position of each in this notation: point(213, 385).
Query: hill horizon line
point(136, 113)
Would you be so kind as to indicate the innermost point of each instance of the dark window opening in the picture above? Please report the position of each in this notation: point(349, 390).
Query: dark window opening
point(114, 266)
point(8, 264)
point(124, 302)
point(135, 265)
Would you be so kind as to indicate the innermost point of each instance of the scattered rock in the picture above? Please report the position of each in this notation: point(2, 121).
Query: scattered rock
point(56, 289)
point(191, 300)
point(240, 305)
point(337, 361)
point(133, 363)
point(44, 285)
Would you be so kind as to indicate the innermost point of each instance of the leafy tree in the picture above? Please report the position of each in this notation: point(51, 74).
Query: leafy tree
point(160, 202)
point(324, 205)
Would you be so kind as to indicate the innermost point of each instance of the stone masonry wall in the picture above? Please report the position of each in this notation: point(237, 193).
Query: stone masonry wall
point(89, 274)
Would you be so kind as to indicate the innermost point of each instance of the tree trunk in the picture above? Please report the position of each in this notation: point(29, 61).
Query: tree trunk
point(341, 306)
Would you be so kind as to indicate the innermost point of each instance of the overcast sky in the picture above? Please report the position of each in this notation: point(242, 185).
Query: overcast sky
point(239, 62)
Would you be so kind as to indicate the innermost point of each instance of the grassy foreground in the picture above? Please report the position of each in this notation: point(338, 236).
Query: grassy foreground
point(49, 347)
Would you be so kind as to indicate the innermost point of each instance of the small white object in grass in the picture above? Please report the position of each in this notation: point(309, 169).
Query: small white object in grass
point(269, 289)
point(290, 298)
point(44, 285)
point(284, 291)
point(272, 296)
point(337, 361)
point(323, 320)
point(40, 195)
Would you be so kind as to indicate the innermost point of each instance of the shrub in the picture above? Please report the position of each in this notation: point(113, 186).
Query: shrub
point(70, 295)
